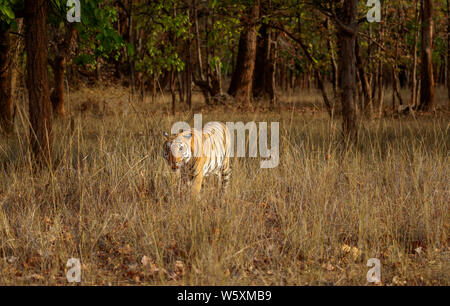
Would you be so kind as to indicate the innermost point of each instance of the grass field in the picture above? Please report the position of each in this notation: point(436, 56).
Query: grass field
point(111, 201)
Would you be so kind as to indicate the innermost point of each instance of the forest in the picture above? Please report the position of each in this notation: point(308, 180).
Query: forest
point(361, 91)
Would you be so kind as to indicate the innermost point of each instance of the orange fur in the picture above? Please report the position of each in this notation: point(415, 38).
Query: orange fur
point(214, 157)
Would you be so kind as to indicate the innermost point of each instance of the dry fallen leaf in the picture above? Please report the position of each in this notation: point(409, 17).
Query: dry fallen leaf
point(328, 266)
point(145, 260)
point(346, 248)
point(179, 267)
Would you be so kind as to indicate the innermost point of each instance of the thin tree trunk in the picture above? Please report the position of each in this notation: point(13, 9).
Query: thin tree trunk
point(448, 51)
point(131, 41)
point(316, 68)
point(427, 77)
point(17, 49)
point(98, 72)
point(334, 67)
point(180, 87)
point(347, 32)
point(59, 67)
point(413, 101)
point(189, 85)
point(396, 71)
point(57, 96)
point(6, 101)
point(37, 79)
point(154, 88)
point(396, 87)
point(380, 95)
point(197, 39)
point(187, 56)
point(365, 84)
point(172, 90)
point(378, 89)
point(10, 47)
point(270, 72)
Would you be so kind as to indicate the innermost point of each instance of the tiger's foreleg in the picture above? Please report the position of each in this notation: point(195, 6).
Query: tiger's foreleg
point(226, 173)
point(198, 178)
point(197, 185)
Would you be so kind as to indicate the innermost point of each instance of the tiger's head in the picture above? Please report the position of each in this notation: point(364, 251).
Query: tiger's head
point(177, 149)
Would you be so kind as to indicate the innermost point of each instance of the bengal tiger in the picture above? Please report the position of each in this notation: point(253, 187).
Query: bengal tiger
point(213, 155)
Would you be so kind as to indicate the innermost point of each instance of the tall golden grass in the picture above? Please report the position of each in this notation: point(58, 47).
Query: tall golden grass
point(110, 200)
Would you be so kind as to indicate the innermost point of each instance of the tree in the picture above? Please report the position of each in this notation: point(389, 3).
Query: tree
point(96, 39)
point(6, 102)
point(448, 50)
point(7, 22)
point(242, 79)
point(58, 64)
point(264, 72)
point(37, 79)
point(162, 26)
point(414, 63)
point(347, 33)
point(427, 77)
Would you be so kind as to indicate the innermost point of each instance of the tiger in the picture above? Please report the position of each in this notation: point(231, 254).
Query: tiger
point(213, 155)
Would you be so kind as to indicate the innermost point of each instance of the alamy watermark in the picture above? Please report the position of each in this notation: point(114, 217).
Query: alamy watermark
point(374, 14)
point(257, 139)
point(73, 275)
point(74, 13)
point(374, 274)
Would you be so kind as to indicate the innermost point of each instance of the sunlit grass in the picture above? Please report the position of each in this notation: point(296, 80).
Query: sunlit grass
point(110, 200)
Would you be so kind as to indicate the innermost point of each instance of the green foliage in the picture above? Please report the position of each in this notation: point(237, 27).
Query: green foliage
point(7, 15)
point(97, 36)
point(163, 27)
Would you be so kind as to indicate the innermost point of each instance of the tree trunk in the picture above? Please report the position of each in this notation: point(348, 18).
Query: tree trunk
point(197, 39)
point(57, 96)
point(6, 100)
point(263, 76)
point(37, 79)
point(414, 72)
point(315, 67)
point(427, 77)
point(334, 68)
point(237, 70)
point(347, 32)
point(365, 84)
point(17, 49)
point(187, 58)
point(242, 79)
point(172, 90)
point(189, 84)
point(59, 67)
point(131, 41)
point(448, 51)
point(262, 50)
point(269, 74)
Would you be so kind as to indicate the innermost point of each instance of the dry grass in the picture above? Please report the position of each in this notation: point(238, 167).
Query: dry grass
point(316, 219)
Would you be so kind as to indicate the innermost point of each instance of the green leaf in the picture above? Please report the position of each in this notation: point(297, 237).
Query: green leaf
point(8, 12)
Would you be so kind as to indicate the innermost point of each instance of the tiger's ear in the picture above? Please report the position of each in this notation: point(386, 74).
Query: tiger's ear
point(166, 136)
